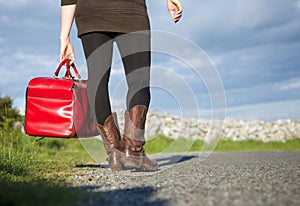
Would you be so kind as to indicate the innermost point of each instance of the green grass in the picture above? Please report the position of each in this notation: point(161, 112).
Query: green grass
point(253, 145)
point(164, 144)
point(36, 173)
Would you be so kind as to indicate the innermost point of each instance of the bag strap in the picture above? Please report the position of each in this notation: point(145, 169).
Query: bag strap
point(68, 74)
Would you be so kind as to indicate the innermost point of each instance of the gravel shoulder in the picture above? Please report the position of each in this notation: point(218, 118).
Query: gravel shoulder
point(223, 178)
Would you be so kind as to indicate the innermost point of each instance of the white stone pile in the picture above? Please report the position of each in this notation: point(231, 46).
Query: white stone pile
point(228, 129)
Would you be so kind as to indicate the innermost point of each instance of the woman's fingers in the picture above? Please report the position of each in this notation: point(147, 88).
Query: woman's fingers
point(67, 51)
point(72, 57)
point(175, 16)
point(175, 9)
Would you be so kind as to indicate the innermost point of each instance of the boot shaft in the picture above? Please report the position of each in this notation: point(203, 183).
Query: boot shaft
point(110, 133)
point(134, 140)
point(134, 127)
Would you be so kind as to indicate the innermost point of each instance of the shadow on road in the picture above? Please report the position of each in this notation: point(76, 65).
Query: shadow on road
point(124, 197)
point(91, 166)
point(174, 159)
point(162, 161)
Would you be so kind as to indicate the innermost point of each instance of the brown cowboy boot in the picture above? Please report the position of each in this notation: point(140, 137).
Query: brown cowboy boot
point(112, 141)
point(134, 140)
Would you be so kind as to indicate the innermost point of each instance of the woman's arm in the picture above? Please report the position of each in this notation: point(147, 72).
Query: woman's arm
point(175, 9)
point(67, 17)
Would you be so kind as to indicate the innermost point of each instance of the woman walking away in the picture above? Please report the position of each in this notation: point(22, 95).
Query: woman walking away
point(99, 24)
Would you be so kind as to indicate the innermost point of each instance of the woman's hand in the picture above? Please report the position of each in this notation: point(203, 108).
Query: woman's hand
point(67, 17)
point(66, 50)
point(175, 9)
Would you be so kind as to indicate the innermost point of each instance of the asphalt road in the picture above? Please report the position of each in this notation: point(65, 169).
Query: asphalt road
point(224, 178)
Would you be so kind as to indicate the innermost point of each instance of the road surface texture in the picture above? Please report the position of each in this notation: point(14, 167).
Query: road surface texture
point(224, 178)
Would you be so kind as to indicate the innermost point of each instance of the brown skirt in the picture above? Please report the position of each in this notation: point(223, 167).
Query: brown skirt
point(111, 15)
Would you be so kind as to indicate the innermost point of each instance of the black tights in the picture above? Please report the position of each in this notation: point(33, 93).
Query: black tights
point(135, 51)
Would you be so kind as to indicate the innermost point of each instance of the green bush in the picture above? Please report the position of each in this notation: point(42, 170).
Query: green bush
point(8, 115)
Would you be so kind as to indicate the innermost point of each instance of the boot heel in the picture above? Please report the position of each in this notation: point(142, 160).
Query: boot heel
point(114, 161)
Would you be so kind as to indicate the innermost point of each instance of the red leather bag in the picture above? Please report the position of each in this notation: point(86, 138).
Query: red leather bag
point(58, 107)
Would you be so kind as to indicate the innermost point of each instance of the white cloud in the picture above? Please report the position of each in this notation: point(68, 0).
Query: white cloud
point(12, 4)
point(117, 71)
point(23, 22)
point(17, 69)
point(18, 5)
point(263, 13)
point(288, 109)
point(2, 40)
point(291, 84)
point(4, 19)
point(297, 5)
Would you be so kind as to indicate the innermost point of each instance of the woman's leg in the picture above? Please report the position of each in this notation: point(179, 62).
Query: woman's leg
point(98, 52)
point(135, 52)
point(136, 56)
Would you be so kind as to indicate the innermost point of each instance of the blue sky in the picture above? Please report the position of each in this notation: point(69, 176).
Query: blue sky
point(253, 44)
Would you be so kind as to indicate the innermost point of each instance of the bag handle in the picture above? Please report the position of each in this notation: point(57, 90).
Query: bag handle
point(68, 74)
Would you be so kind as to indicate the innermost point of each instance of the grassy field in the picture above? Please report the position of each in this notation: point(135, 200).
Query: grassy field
point(32, 173)
point(160, 143)
point(35, 173)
